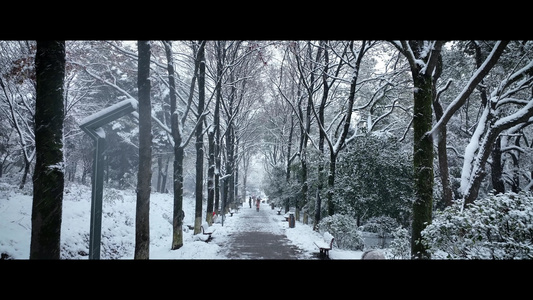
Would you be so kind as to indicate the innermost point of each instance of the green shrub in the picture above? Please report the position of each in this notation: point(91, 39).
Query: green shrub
point(497, 227)
point(400, 246)
point(344, 229)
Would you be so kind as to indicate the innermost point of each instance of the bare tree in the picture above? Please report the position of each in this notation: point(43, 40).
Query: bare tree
point(200, 60)
point(177, 223)
point(470, 184)
point(17, 84)
point(213, 135)
point(508, 108)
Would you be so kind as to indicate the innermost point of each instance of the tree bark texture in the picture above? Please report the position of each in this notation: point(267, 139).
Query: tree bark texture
point(210, 177)
point(442, 152)
point(48, 177)
point(422, 162)
point(424, 66)
point(200, 140)
point(497, 168)
point(144, 176)
point(178, 215)
point(423, 94)
point(322, 136)
point(216, 121)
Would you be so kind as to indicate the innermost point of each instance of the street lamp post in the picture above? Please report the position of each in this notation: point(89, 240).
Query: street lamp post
point(92, 125)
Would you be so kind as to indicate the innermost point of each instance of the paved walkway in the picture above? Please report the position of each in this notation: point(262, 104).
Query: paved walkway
point(260, 236)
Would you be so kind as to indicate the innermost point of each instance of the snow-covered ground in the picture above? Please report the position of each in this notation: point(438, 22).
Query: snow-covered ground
point(118, 227)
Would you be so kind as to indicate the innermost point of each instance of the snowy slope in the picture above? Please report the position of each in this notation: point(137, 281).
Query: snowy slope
point(118, 227)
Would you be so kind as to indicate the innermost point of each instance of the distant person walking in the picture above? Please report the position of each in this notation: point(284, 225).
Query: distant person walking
point(250, 202)
point(257, 203)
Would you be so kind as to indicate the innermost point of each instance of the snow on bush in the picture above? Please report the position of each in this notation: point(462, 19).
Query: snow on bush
point(400, 246)
point(496, 227)
point(344, 229)
point(383, 226)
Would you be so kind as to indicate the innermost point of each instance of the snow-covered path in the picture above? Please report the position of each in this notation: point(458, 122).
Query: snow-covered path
point(259, 235)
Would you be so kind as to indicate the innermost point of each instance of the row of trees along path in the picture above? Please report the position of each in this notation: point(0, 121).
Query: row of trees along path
point(324, 94)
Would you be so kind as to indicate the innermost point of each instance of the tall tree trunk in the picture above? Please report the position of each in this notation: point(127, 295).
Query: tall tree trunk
point(48, 176)
point(144, 176)
point(230, 159)
point(322, 136)
point(339, 144)
point(331, 183)
point(442, 152)
point(165, 176)
point(289, 160)
point(423, 64)
point(178, 215)
point(236, 173)
point(515, 156)
point(200, 140)
point(290, 144)
point(424, 76)
point(303, 199)
point(422, 161)
point(27, 164)
point(221, 54)
point(213, 137)
point(159, 172)
point(210, 176)
point(423, 143)
point(497, 168)
point(228, 185)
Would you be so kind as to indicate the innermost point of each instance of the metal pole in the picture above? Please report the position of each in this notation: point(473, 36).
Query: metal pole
point(95, 234)
point(223, 211)
point(92, 125)
point(223, 198)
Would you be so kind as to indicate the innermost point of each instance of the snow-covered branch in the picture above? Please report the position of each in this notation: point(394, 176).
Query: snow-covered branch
point(476, 78)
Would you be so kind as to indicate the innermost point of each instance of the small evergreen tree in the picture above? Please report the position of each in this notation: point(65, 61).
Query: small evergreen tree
point(374, 179)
